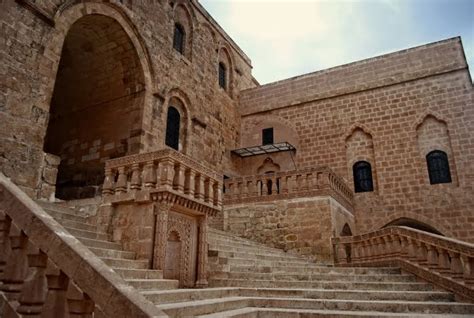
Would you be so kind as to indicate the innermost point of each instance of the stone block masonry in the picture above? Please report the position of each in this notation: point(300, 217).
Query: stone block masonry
point(390, 111)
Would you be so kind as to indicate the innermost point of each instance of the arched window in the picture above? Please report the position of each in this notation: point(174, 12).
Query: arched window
point(438, 167)
point(178, 39)
point(222, 75)
point(362, 177)
point(172, 128)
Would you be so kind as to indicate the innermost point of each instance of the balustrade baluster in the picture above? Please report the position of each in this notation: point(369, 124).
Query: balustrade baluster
point(217, 201)
point(444, 263)
point(283, 185)
point(80, 305)
point(456, 270)
point(121, 185)
point(199, 189)
point(422, 254)
point(190, 184)
point(468, 270)
point(245, 189)
point(432, 257)
point(56, 300)
point(5, 223)
point(179, 177)
point(108, 186)
point(264, 187)
point(16, 267)
point(149, 175)
point(167, 173)
point(35, 287)
point(135, 180)
point(208, 187)
point(411, 250)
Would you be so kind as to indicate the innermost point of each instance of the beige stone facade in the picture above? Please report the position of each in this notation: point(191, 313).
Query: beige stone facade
point(90, 81)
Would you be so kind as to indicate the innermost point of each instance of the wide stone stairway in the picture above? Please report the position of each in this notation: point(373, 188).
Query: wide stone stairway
point(248, 279)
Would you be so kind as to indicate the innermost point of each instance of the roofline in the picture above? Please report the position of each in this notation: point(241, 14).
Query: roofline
point(363, 61)
point(219, 29)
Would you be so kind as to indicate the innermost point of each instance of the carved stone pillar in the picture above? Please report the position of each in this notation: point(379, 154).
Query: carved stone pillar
point(161, 234)
point(189, 185)
point(202, 253)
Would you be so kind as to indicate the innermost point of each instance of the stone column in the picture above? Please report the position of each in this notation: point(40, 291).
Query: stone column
point(202, 253)
point(161, 210)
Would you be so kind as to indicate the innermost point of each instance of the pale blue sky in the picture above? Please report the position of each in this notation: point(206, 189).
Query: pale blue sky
point(285, 38)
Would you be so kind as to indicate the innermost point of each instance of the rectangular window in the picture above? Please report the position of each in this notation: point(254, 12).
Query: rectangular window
point(267, 136)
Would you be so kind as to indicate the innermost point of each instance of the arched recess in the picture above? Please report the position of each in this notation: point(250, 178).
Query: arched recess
point(433, 134)
point(418, 218)
point(184, 16)
point(346, 230)
point(413, 224)
point(102, 85)
point(360, 148)
point(173, 259)
point(268, 166)
point(180, 101)
point(225, 58)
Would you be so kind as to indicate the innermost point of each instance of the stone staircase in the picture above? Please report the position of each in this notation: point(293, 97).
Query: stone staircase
point(134, 271)
point(248, 279)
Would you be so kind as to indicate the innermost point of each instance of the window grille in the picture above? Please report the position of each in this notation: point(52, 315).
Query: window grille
point(172, 128)
point(267, 136)
point(178, 39)
point(438, 167)
point(362, 177)
point(222, 76)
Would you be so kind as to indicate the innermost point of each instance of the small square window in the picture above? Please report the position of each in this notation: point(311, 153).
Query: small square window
point(267, 136)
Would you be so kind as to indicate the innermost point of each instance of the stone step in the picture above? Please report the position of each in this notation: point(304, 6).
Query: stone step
point(88, 234)
point(313, 277)
point(256, 262)
point(62, 215)
point(155, 284)
point(312, 269)
point(100, 244)
point(78, 225)
point(207, 306)
point(125, 263)
point(247, 249)
point(130, 273)
point(345, 285)
point(181, 295)
point(259, 256)
point(238, 244)
point(108, 253)
point(253, 312)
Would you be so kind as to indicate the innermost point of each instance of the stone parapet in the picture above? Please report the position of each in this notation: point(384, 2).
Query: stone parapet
point(163, 175)
point(446, 262)
point(310, 182)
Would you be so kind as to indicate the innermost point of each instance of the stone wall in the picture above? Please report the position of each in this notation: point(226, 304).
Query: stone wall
point(301, 226)
point(390, 111)
point(35, 34)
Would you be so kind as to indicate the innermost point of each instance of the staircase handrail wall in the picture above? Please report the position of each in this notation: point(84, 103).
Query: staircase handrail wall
point(445, 262)
point(306, 182)
point(44, 268)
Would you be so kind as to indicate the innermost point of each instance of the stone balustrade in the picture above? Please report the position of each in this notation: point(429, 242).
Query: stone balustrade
point(138, 177)
point(289, 184)
point(46, 272)
point(445, 262)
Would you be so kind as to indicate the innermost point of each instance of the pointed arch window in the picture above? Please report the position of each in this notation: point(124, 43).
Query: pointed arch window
point(178, 38)
point(363, 182)
point(438, 167)
point(222, 75)
point(172, 128)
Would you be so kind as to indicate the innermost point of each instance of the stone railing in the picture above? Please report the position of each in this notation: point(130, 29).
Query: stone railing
point(46, 272)
point(445, 262)
point(287, 185)
point(139, 177)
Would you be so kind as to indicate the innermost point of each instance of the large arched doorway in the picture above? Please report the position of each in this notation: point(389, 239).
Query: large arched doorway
point(96, 106)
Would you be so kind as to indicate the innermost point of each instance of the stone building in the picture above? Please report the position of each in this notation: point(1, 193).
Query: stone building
point(144, 120)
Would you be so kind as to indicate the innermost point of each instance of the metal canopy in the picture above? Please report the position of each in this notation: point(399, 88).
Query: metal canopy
point(263, 149)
